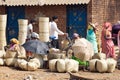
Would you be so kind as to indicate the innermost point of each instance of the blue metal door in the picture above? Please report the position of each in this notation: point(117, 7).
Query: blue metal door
point(13, 14)
point(77, 19)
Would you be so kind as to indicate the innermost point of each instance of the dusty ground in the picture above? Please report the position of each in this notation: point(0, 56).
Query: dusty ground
point(7, 73)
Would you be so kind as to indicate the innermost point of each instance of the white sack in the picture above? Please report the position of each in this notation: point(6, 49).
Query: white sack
point(61, 65)
point(1, 62)
point(111, 64)
point(71, 65)
point(92, 64)
point(52, 64)
point(99, 56)
point(10, 61)
point(102, 65)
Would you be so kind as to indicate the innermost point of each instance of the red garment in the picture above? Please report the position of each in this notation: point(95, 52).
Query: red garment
point(107, 43)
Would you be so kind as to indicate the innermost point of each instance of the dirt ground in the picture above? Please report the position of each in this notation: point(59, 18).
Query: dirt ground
point(9, 73)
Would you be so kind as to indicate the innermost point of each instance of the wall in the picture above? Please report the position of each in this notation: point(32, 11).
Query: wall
point(2, 10)
point(103, 10)
point(49, 11)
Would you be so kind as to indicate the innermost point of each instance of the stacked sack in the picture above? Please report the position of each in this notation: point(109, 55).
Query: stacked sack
point(2, 54)
point(30, 65)
point(83, 49)
point(63, 65)
point(101, 64)
point(56, 54)
point(12, 56)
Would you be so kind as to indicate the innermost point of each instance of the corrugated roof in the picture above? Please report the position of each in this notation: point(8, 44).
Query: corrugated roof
point(21, 2)
point(41, 2)
point(65, 2)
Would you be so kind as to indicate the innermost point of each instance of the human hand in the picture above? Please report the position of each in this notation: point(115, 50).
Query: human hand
point(65, 34)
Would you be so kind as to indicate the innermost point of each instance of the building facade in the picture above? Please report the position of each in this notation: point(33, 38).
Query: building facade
point(72, 17)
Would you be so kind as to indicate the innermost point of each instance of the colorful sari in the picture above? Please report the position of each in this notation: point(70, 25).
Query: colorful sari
point(91, 37)
point(107, 43)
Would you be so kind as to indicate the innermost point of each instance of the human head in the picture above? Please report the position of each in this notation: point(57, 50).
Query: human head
point(14, 41)
point(107, 25)
point(75, 35)
point(90, 25)
point(55, 18)
point(32, 21)
point(35, 35)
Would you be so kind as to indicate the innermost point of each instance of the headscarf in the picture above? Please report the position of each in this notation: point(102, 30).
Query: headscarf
point(107, 25)
point(90, 26)
point(35, 35)
point(75, 35)
point(14, 41)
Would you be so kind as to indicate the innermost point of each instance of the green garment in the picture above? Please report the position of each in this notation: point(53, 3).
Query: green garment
point(84, 63)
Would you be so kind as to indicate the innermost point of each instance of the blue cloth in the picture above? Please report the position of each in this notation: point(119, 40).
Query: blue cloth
point(91, 37)
point(52, 37)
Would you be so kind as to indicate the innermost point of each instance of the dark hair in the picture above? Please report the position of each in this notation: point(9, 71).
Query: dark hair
point(54, 17)
point(32, 21)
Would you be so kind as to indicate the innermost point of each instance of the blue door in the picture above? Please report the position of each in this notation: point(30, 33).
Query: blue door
point(13, 14)
point(77, 19)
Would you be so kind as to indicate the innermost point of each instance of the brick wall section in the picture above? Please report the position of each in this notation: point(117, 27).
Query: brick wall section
point(2, 10)
point(103, 10)
point(48, 11)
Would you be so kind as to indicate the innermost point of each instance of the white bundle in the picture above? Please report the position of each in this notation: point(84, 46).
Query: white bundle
point(61, 65)
point(99, 56)
point(111, 64)
point(36, 61)
point(92, 64)
point(10, 61)
point(21, 53)
point(18, 62)
point(11, 54)
point(83, 49)
point(22, 64)
point(40, 58)
point(71, 65)
point(56, 56)
point(2, 53)
point(52, 64)
point(32, 66)
point(69, 53)
point(1, 62)
point(54, 50)
point(102, 65)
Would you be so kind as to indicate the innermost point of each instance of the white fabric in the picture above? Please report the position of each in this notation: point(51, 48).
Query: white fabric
point(35, 35)
point(30, 27)
point(54, 31)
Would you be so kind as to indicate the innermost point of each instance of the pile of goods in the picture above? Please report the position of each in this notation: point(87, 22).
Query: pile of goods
point(101, 64)
point(63, 65)
point(12, 56)
point(83, 49)
point(56, 54)
point(31, 65)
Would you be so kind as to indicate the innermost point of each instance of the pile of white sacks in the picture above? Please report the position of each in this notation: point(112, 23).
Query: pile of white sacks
point(18, 59)
point(63, 65)
point(101, 64)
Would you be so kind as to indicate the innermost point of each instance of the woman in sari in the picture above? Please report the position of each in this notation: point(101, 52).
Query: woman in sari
point(107, 43)
point(91, 36)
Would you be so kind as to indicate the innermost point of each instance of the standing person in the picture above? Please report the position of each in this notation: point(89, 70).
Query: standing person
point(91, 36)
point(54, 32)
point(115, 30)
point(107, 43)
point(30, 29)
